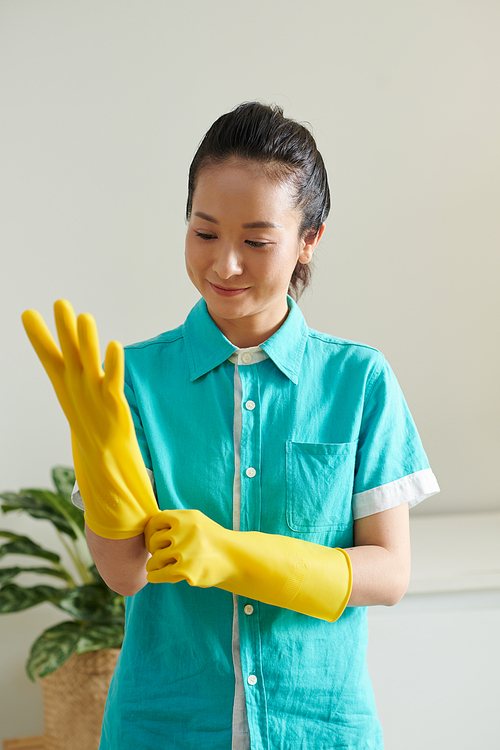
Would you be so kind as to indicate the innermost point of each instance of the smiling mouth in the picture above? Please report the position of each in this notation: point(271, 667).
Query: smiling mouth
point(227, 291)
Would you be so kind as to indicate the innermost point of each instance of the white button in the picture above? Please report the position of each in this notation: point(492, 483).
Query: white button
point(248, 609)
point(246, 358)
point(250, 405)
point(252, 679)
point(250, 472)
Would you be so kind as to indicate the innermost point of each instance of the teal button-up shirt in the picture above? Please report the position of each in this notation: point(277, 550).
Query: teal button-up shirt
point(299, 439)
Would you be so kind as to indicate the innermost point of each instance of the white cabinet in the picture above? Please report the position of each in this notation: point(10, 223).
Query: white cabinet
point(435, 657)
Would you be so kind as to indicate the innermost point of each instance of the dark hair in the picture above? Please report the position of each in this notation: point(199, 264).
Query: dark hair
point(261, 133)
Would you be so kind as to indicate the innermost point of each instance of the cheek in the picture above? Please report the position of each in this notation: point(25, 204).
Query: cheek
point(191, 266)
point(280, 267)
point(192, 257)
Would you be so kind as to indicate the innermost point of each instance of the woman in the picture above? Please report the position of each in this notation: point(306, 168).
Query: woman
point(284, 462)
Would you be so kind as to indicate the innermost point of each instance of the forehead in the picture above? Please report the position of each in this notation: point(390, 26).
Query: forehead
point(244, 185)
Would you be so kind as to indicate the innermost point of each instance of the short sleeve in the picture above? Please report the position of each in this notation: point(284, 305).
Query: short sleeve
point(391, 465)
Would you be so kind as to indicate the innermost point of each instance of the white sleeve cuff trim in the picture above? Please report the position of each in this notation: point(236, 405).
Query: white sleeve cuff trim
point(411, 489)
point(77, 499)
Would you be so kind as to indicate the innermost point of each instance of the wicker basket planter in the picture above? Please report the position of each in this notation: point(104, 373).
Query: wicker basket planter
point(74, 697)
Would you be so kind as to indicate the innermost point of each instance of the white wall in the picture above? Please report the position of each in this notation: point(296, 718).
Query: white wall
point(102, 107)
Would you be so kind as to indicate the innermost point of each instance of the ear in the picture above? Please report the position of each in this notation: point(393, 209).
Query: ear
point(309, 244)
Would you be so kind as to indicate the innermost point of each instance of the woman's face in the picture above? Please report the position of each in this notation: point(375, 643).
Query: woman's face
point(242, 246)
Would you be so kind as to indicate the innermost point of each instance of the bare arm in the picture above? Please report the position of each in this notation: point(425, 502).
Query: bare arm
point(121, 562)
point(380, 558)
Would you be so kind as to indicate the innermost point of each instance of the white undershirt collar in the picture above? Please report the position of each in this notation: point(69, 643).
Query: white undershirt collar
point(248, 356)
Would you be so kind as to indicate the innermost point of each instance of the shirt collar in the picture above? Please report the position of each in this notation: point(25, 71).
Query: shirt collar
point(286, 347)
point(207, 346)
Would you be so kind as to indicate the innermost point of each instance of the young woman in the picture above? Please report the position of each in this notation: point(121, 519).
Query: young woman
point(284, 462)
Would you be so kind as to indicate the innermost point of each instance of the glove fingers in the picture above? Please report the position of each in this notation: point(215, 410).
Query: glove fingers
point(157, 523)
point(114, 369)
point(159, 576)
point(44, 345)
point(160, 559)
point(68, 336)
point(89, 347)
point(158, 540)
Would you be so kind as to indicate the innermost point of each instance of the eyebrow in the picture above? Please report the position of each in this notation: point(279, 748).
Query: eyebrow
point(249, 225)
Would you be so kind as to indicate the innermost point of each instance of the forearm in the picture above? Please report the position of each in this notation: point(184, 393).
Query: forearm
point(121, 562)
point(378, 576)
point(279, 570)
point(381, 558)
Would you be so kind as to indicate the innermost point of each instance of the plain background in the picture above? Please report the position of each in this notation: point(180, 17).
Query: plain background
point(102, 106)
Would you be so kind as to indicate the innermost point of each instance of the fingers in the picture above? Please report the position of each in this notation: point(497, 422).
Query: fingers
point(68, 335)
point(43, 343)
point(158, 522)
point(90, 353)
point(161, 559)
point(162, 568)
point(159, 540)
point(165, 576)
point(79, 342)
point(114, 369)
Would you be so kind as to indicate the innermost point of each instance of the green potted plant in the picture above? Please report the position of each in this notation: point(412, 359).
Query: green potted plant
point(93, 627)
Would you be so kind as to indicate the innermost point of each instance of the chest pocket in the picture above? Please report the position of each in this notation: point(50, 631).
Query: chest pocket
point(319, 484)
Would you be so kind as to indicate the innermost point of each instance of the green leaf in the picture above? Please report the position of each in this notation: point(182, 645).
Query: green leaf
point(40, 504)
point(52, 649)
point(56, 644)
point(23, 545)
point(61, 512)
point(10, 501)
point(62, 506)
point(14, 598)
point(11, 535)
point(64, 480)
point(7, 574)
point(94, 603)
point(98, 636)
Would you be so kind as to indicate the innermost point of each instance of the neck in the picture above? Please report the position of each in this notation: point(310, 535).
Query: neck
point(248, 332)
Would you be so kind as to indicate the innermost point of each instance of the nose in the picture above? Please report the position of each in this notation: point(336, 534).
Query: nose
point(227, 262)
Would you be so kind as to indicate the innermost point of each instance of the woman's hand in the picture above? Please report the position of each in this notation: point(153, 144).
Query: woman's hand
point(187, 545)
point(109, 468)
point(279, 570)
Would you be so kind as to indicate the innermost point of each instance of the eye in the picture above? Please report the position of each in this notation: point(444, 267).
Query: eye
point(256, 244)
point(205, 236)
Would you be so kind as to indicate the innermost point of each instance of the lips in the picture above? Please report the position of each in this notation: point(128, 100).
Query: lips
point(227, 291)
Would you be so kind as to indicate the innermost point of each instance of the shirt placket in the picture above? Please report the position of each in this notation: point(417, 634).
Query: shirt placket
point(250, 520)
point(240, 738)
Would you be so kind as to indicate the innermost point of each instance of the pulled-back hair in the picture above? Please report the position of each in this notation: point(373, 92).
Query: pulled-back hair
point(262, 134)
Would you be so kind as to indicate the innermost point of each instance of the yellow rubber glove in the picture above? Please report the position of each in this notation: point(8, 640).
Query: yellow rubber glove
point(279, 570)
point(109, 468)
